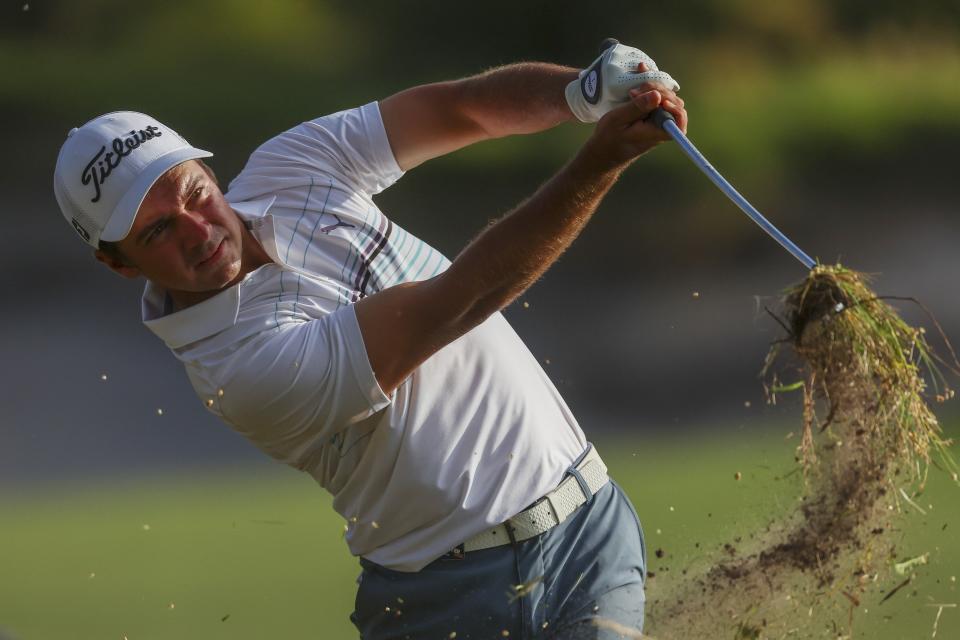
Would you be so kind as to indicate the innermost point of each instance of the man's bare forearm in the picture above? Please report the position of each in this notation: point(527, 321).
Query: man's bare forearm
point(512, 253)
point(525, 97)
point(432, 120)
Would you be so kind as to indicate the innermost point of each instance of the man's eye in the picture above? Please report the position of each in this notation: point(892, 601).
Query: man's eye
point(159, 227)
point(196, 193)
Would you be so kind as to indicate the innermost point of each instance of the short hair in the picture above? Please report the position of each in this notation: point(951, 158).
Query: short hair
point(112, 249)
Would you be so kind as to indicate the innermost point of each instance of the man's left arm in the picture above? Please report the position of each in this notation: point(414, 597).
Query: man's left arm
point(435, 119)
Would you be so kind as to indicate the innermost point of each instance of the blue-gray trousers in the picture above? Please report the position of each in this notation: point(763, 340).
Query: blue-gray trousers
point(588, 569)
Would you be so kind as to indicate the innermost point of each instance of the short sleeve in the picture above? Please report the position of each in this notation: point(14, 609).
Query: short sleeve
point(300, 385)
point(350, 146)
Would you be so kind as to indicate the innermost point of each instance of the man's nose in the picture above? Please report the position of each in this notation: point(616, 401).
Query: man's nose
point(194, 228)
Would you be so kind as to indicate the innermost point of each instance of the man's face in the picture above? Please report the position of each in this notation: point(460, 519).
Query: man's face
point(185, 236)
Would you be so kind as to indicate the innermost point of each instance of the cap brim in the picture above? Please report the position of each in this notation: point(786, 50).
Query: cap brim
point(121, 220)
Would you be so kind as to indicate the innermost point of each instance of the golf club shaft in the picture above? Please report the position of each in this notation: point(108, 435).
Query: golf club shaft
point(670, 126)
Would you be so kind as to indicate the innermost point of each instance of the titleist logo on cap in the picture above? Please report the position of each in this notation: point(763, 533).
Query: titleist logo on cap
point(104, 162)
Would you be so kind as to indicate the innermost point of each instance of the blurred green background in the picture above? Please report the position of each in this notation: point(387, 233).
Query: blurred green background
point(839, 120)
point(769, 86)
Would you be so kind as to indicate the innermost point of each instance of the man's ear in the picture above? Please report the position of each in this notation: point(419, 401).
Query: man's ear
point(124, 269)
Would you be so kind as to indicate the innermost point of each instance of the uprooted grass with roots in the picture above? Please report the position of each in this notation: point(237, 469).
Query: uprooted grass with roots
point(869, 438)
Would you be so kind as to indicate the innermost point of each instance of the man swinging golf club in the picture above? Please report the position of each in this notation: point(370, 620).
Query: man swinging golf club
point(344, 346)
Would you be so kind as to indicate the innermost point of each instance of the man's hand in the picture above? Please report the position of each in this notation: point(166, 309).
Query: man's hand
point(607, 82)
point(627, 131)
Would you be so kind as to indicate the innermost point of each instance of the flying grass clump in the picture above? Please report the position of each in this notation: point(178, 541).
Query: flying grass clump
point(869, 434)
point(869, 439)
point(868, 369)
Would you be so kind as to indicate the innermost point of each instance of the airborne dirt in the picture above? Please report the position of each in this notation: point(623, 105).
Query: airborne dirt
point(869, 437)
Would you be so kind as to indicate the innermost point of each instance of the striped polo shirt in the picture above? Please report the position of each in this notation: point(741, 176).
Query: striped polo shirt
point(472, 437)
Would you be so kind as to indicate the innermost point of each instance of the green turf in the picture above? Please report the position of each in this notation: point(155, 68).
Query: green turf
point(258, 554)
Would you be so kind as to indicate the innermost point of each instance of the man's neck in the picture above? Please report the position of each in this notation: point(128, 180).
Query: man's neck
point(253, 256)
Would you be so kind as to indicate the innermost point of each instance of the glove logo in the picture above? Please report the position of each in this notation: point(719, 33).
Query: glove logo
point(590, 85)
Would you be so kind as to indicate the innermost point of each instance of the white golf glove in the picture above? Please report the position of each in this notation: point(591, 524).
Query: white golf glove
point(607, 82)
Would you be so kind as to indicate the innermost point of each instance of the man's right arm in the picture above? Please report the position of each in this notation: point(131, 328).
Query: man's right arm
point(404, 325)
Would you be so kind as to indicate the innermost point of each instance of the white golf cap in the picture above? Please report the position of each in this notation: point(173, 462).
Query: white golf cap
point(107, 166)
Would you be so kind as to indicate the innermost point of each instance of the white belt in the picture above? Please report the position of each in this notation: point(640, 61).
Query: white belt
point(548, 511)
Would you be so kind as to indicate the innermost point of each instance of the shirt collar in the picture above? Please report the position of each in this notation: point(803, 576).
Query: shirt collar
point(250, 210)
point(204, 319)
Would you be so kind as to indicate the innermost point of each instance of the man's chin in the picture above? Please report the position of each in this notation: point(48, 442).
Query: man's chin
point(214, 285)
point(210, 283)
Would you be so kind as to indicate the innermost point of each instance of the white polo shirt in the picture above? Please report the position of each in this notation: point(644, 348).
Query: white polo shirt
point(472, 437)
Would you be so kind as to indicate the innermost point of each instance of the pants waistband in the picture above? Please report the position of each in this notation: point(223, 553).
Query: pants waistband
point(586, 476)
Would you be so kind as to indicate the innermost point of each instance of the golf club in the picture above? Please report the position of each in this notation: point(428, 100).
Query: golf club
point(666, 122)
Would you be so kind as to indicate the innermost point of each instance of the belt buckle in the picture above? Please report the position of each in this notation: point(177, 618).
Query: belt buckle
point(511, 531)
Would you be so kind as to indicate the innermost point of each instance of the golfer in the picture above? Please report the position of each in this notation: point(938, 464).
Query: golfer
point(343, 345)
